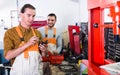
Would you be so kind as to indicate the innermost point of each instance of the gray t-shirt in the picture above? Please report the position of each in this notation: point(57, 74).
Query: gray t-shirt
point(50, 35)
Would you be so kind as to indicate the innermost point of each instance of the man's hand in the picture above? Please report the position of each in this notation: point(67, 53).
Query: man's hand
point(32, 41)
point(43, 49)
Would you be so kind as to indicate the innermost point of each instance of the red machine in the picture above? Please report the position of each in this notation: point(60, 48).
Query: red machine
point(54, 59)
point(96, 33)
point(37, 24)
point(74, 32)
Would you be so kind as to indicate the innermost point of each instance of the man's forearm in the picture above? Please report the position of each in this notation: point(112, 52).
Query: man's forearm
point(15, 52)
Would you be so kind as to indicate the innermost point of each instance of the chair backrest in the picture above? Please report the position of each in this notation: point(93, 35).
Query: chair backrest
point(2, 59)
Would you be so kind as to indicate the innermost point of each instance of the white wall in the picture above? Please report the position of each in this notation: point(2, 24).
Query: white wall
point(5, 8)
point(83, 11)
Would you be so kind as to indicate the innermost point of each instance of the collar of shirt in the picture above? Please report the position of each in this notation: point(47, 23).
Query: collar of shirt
point(50, 28)
point(23, 29)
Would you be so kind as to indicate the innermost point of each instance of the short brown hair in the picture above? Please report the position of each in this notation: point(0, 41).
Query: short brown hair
point(27, 6)
point(52, 14)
